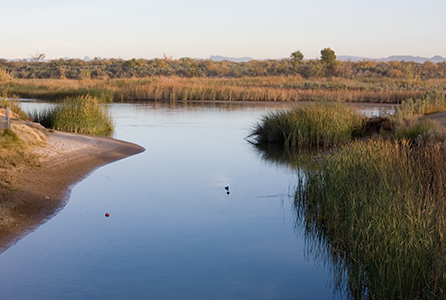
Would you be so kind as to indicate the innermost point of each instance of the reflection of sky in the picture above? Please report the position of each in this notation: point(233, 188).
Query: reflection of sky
point(31, 106)
point(173, 232)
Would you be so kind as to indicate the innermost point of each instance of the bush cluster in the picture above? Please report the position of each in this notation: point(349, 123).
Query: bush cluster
point(188, 67)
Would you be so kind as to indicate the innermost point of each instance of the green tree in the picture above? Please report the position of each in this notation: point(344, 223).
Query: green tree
point(296, 61)
point(328, 56)
point(328, 59)
point(297, 56)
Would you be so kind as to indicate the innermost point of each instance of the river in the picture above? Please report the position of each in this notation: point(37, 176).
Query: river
point(174, 231)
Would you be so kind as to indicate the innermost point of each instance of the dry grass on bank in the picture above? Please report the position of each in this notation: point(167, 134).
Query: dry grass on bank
point(268, 88)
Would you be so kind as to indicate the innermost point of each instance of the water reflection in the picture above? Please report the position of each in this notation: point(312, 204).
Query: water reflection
point(173, 231)
point(317, 247)
point(286, 156)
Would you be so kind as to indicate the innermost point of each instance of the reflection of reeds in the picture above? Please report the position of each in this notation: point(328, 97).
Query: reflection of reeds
point(379, 208)
point(291, 157)
point(270, 88)
point(79, 115)
point(313, 125)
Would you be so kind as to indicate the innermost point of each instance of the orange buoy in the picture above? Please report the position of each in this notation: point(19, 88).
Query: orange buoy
point(107, 215)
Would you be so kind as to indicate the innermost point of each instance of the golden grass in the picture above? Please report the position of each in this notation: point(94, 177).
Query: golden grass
point(269, 88)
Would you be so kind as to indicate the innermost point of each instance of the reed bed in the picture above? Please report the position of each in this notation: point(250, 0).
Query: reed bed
point(319, 125)
point(269, 88)
point(429, 102)
point(378, 209)
point(79, 115)
point(53, 90)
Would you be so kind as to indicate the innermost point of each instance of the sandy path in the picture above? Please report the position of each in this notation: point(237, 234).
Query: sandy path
point(66, 159)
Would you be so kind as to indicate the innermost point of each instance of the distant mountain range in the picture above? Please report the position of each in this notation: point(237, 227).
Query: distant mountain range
point(418, 59)
point(234, 59)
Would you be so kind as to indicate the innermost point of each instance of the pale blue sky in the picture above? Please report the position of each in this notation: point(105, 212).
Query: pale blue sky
point(197, 28)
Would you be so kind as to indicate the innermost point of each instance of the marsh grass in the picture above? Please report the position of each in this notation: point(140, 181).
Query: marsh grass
point(58, 90)
point(79, 115)
point(378, 209)
point(266, 88)
point(421, 131)
point(429, 102)
point(13, 105)
point(410, 125)
point(320, 125)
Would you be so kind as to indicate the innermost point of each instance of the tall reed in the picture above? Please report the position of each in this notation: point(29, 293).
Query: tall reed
point(429, 102)
point(378, 209)
point(267, 88)
point(319, 125)
point(78, 115)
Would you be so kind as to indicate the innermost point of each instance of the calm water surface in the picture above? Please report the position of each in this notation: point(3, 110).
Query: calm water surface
point(173, 231)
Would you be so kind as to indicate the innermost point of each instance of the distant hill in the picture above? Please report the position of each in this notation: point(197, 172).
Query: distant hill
point(234, 59)
point(418, 59)
point(351, 58)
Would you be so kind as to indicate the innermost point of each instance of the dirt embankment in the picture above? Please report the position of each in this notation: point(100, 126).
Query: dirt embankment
point(29, 196)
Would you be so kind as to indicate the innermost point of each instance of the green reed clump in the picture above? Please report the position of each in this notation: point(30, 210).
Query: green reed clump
point(313, 125)
point(378, 209)
point(78, 115)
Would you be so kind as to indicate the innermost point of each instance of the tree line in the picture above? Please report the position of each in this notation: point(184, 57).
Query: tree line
point(325, 66)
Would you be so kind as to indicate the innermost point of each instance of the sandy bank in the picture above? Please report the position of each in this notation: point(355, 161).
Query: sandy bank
point(38, 193)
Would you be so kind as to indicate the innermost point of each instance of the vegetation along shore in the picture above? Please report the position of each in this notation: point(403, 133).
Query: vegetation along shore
point(374, 204)
point(372, 199)
point(290, 79)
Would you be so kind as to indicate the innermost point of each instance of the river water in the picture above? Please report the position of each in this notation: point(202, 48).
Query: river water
point(173, 231)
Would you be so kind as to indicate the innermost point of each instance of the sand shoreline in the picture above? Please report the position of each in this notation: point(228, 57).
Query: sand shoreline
point(39, 193)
